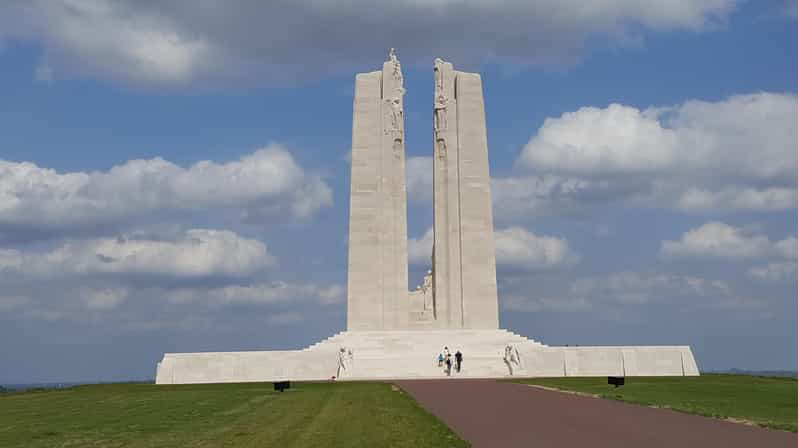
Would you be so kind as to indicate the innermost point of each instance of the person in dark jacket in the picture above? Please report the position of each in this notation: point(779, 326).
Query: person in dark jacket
point(458, 360)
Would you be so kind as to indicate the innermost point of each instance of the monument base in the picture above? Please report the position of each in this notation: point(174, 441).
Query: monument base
point(384, 355)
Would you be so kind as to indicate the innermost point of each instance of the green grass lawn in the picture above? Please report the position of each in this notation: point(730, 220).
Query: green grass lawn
point(225, 415)
point(768, 401)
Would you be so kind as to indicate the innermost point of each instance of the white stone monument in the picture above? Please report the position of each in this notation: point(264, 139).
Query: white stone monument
point(396, 333)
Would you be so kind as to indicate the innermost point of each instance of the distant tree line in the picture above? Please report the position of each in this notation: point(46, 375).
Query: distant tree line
point(3, 390)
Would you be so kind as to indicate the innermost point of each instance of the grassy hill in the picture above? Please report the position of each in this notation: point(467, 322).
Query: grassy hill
point(230, 415)
point(767, 401)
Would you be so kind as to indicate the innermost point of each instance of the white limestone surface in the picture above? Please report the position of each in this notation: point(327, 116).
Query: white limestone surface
point(377, 275)
point(412, 355)
point(464, 252)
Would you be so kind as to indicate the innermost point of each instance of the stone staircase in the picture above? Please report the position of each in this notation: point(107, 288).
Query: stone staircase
point(413, 354)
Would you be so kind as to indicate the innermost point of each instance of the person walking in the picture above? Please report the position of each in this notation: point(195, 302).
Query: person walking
point(440, 360)
point(448, 366)
point(458, 360)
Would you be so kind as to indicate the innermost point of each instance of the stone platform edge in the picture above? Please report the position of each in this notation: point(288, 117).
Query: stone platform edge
point(387, 358)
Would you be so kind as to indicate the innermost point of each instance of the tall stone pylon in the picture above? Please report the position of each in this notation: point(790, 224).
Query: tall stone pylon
point(377, 280)
point(464, 258)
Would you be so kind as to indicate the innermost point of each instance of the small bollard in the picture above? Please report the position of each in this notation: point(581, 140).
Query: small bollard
point(616, 380)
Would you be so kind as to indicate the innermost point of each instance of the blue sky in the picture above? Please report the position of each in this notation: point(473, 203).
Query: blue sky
point(174, 174)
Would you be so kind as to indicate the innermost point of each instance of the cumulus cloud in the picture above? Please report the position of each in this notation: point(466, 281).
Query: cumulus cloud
point(174, 42)
point(266, 181)
point(719, 240)
point(515, 247)
point(523, 249)
point(114, 39)
point(734, 154)
point(196, 253)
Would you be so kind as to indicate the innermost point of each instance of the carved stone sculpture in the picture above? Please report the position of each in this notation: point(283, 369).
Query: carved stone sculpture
point(345, 360)
point(512, 358)
point(441, 148)
point(397, 114)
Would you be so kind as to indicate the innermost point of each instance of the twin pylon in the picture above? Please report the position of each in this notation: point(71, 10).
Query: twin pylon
point(463, 284)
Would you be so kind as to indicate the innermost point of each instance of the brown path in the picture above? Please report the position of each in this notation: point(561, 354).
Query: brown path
point(496, 414)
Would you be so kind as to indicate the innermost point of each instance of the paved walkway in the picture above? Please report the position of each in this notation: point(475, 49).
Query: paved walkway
point(496, 414)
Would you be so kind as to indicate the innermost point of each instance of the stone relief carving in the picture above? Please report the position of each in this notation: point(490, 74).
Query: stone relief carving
point(441, 147)
point(397, 114)
point(393, 100)
point(345, 360)
point(427, 288)
point(438, 76)
point(397, 148)
point(440, 115)
point(512, 358)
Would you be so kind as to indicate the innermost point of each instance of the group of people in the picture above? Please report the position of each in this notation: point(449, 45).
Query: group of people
point(445, 361)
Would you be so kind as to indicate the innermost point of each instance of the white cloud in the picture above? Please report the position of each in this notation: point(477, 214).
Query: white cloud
point(734, 154)
point(742, 199)
point(518, 247)
point(519, 196)
point(419, 251)
point(695, 136)
point(196, 253)
point(775, 272)
point(173, 42)
point(332, 295)
point(515, 247)
point(110, 39)
point(718, 240)
point(418, 172)
point(260, 294)
point(788, 247)
point(616, 139)
point(269, 179)
point(780, 270)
